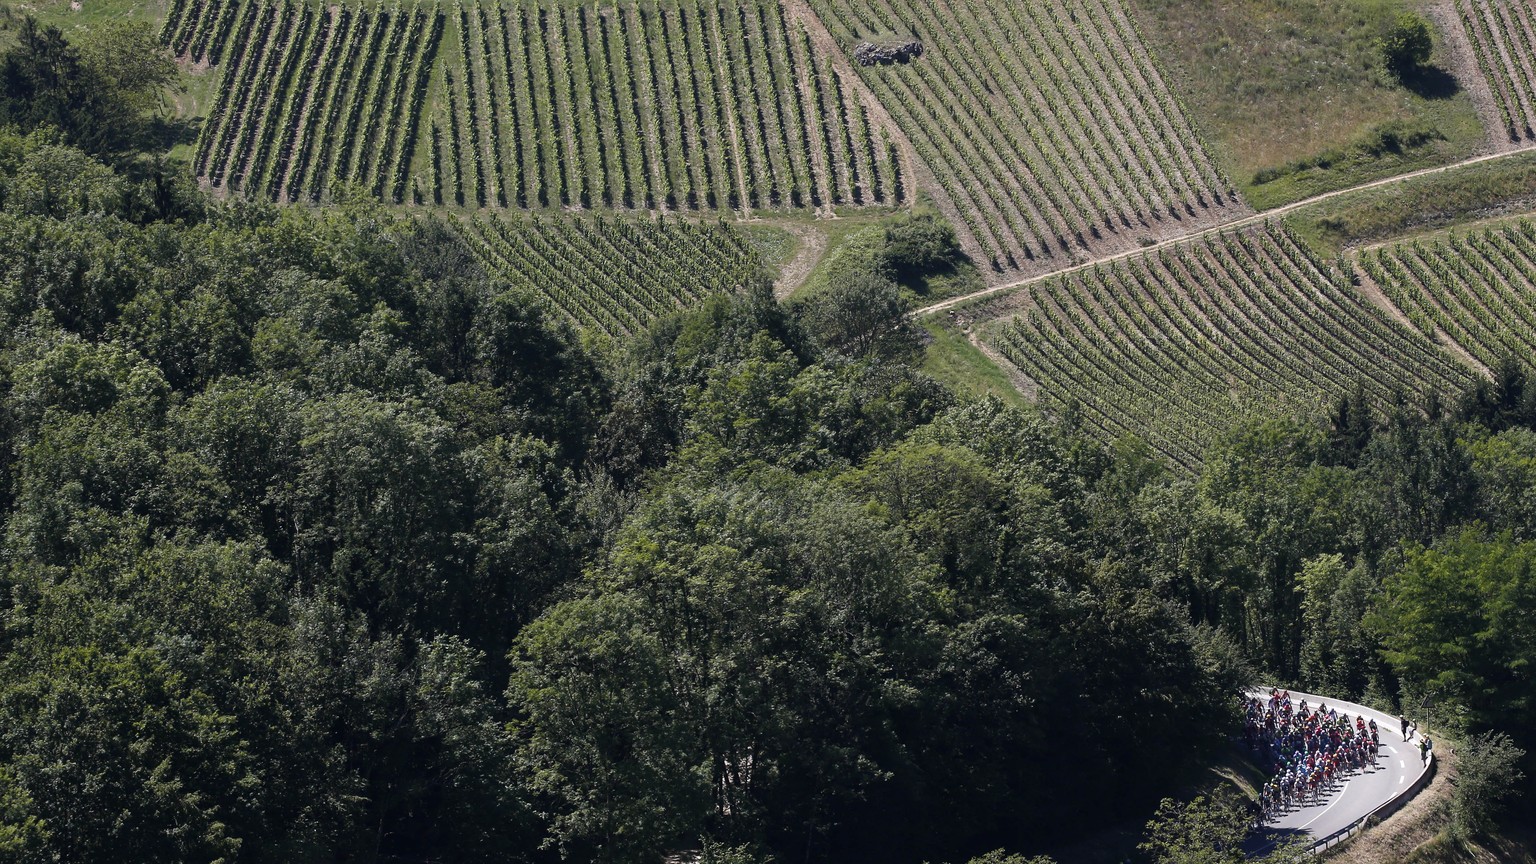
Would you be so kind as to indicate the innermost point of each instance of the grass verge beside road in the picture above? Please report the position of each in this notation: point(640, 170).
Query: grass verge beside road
point(1420, 204)
point(953, 360)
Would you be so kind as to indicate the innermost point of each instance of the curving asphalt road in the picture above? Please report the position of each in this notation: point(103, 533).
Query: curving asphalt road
point(1397, 767)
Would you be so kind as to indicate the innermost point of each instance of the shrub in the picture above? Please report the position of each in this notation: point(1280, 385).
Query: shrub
point(919, 245)
point(1487, 772)
point(1408, 44)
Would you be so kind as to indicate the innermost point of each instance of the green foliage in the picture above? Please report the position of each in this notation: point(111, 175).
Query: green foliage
point(1454, 620)
point(132, 64)
point(1000, 856)
point(1209, 830)
point(719, 853)
point(1337, 654)
point(1200, 831)
point(1505, 469)
point(862, 315)
point(716, 733)
point(1487, 775)
point(919, 245)
point(1408, 44)
point(22, 835)
point(1392, 138)
point(322, 543)
point(99, 97)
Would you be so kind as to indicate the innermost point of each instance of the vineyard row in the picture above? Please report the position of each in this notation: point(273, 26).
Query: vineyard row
point(1174, 346)
point(612, 275)
point(639, 105)
point(1503, 36)
point(314, 97)
point(691, 104)
point(1048, 125)
point(1474, 289)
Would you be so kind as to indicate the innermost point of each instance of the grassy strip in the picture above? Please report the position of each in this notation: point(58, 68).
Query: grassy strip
point(954, 361)
point(1427, 203)
point(773, 245)
point(1295, 97)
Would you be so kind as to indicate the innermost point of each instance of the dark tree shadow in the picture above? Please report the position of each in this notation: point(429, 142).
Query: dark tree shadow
point(1262, 841)
point(1430, 82)
point(163, 133)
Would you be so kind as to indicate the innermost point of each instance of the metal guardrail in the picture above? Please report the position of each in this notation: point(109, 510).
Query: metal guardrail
point(1382, 810)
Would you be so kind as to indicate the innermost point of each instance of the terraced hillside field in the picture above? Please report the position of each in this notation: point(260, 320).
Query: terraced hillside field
point(612, 275)
point(1171, 346)
point(642, 104)
point(1477, 289)
point(1048, 126)
point(1503, 35)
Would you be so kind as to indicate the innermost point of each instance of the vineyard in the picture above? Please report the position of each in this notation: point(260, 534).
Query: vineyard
point(643, 105)
point(1472, 288)
point(683, 105)
point(310, 96)
point(1503, 35)
point(1172, 346)
point(611, 275)
point(1048, 126)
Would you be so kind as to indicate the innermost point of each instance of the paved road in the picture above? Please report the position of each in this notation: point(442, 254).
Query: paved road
point(1397, 767)
point(1226, 226)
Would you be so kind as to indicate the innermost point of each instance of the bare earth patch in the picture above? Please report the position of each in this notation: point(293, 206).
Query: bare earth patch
point(811, 245)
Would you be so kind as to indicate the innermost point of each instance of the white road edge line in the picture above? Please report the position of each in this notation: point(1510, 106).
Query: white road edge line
point(1401, 764)
point(1343, 789)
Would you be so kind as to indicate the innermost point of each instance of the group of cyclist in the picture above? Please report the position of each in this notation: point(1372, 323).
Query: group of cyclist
point(1306, 749)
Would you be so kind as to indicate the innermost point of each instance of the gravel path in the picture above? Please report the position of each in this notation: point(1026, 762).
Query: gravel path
point(1227, 226)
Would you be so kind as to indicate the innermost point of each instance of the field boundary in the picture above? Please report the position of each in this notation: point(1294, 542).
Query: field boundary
point(1242, 222)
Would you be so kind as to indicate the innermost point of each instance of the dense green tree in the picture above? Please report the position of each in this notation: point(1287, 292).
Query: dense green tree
point(99, 98)
point(321, 545)
point(1290, 507)
point(1504, 467)
point(1455, 620)
point(1487, 775)
point(1209, 830)
point(1000, 856)
point(728, 671)
point(1200, 831)
point(862, 314)
point(1337, 653)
